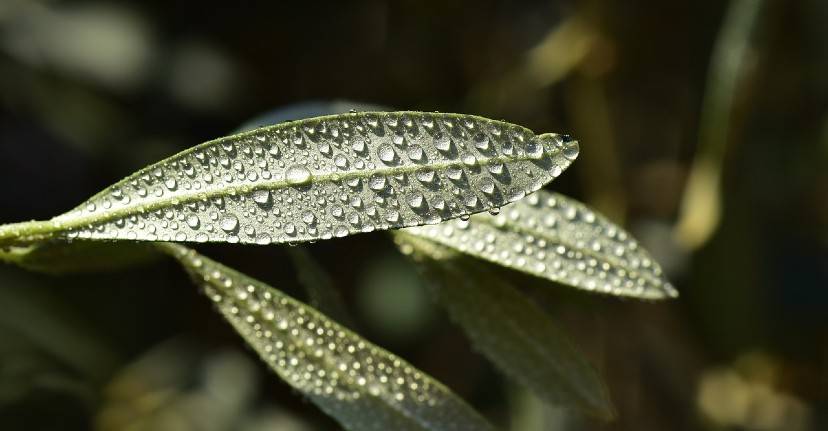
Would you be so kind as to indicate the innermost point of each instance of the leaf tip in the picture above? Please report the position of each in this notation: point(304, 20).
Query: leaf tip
point(568, 146)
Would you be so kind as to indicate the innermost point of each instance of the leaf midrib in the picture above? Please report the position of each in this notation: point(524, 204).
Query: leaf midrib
point(71, 220)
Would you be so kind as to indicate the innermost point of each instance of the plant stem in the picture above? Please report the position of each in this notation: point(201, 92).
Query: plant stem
point(27, 233)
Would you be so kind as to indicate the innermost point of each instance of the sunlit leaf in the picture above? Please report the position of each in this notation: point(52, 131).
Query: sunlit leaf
point(319, 178)
point(508, 328)
point(322, 294)
point(359, 384)
point(59, 257)
point(552, 236)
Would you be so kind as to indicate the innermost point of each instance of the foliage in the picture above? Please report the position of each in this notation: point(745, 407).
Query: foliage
point(422, 175)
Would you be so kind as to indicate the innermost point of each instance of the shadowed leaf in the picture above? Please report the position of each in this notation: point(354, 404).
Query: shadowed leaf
point(359, 384)
point(77, 257)
point(555, 237)
point(508, 328)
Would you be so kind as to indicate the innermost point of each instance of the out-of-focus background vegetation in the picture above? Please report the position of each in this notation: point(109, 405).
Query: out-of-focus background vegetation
point(703, 129)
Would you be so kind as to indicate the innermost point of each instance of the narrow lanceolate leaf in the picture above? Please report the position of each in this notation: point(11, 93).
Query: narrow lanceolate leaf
point(320, 178)
point(509, 329)
point(359, 384)
point(555, 237)
point(59, 257)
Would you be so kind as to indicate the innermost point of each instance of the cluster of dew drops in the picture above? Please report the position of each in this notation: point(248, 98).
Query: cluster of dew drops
point(556, 237)
point(312, 353)
point(327, 177)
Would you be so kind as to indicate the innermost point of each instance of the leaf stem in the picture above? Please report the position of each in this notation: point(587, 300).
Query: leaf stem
point(27, 233)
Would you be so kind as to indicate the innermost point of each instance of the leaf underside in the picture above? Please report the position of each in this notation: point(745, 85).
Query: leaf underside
point(325, 177)
point(359, 384)
point(558, 238)
point(59, 257)
point(510, 330)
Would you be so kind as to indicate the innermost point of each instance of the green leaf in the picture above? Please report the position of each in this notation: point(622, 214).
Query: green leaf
point(318, 178)
point(359, 384)
point(58, 257)
point(555, 237)
point(516, 335)
point(322, 294)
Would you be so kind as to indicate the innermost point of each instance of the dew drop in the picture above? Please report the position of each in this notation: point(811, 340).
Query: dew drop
point(261, 196)
point(534, 149)
point(392, 216)
point(470, 200)
point(442, 142)
point(376, 182)
point(308, 217)
point(341, 161)
point(469, 159)
point(507, 149)
point(340, 231)
point(494, 128)
point(386, 153)
point(415, 152)
point(297, 174)
point(229, 223)
point(358, 144)
point(425, 175)
point(515, 194)
point(454, 172)
point(571, 149)
point(481, 141)
point(496, 168)
point(290, 229)
point(415, 199)
point(486, 185)
point(193, 221)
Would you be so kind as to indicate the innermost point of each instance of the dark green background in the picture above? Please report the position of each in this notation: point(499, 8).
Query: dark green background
point(81, 110)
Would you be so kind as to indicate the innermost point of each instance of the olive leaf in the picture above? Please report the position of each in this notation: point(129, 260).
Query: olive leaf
point(316, 179)
point(359, 384)
point(555, 237)
point(59, 257)
point(516, 335)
